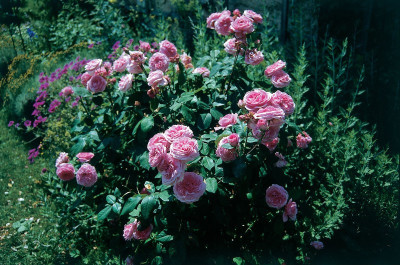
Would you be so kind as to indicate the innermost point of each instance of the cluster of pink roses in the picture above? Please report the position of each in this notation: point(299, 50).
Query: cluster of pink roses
point(131, 231)
point(279, 78)
point(169, 152)
point(95, 76)
point(277, 197)
point(303, 141)
point(86, 174)
point(239, 25)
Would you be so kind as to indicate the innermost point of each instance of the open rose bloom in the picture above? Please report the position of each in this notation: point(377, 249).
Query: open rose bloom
point(276, 196)
point(190, 188)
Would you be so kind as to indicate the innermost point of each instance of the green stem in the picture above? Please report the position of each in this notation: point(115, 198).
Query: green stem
point(233, 68)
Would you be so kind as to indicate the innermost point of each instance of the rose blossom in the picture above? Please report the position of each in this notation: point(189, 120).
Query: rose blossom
point(96, 84)
point(284, 101)
point(156, 154)
point(84, 157)
point(256, 99)
point(214, 17)
point(276, 196)
point(282, 161)
point(120, 64)
point(271, 145)
point(168, 48)
point(62, 158)
point(133, 68)
point(257, 18)
point(93, 65)
point(242, 25)
point(86, 175)
point(290, 211)
point(144, 46)
point(227, 121)
point(156, 78)
point(185, 59)
point(185, 149)
point(303, 141)
point(280, 79)
point(67, 91)
point(158, 138)
point(318, 245)
point(274, 68)
point(85, 78)
point(202, 70)
point(131, 231)
point(159, 61)
point(177, 131)
point(231, 46)
point(190, 188)
point(125, 83)
point(224, 153)
point(171, 169)
point(137, 57)
point(270, 113)
point(253, 57)
point(223, 25)
point(233, 139)
point(65, 171)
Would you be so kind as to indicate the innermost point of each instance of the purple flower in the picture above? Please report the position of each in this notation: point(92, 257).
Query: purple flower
point(27, 123)
point(154, 44)
point(116, 45)
point(16, 125)
point(11, 123)
point(44, 170)
point(91, 46)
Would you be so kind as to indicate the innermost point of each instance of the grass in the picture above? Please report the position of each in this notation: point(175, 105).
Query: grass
point(28, 230)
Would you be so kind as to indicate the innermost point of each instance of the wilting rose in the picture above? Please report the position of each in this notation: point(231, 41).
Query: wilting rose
point(274, 68)
point(131, 231)
point(184, 149)
point(303, 141)
point(281, 79)
point(253, 57)
point(137, 57)
point(271, 145)
point(284, 101)
point(65, 171)
point(276, 196)
point(96, 84)
point(256, 99)
point(86, 175)
point(177, 131)
point(243, 25)
point(84, 157)
point(185, 59)
point(62, 158)
point(282, 161)
point(290, 211)
point(190, 188)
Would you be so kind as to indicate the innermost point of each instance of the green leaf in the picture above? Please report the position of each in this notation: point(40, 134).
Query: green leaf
point(164, 196)
point(207, 162)
point(104, 213)
point(78, 147)
point(147, 123)
point(131, 204)
point(211, 185)
point(163, 237)
point(81, 92)
point(238, 261)
point(136, 127)
point(116, 207)
point(111, 199)
point(216, 114)
point(205, 121)
point(227, 146)
point(147, 205)
point(22, 228)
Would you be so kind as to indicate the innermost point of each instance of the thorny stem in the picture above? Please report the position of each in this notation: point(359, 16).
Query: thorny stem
point(233, 68)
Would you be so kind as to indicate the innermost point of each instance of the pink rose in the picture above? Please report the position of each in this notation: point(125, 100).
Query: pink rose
point(257, 18)
point(224, 153)
point(67, 91)
point(242, 25)
point(86, 175)
point(190, 188)
point(270, 113)
point(85, 78)
point(231, 46)
point(134, 68)
point(177, 131)
point(137, 57)
point(120, 64)
point(233, 139)
point(65, 171)
point(223, 25)
point(185, 149)
point(168, 49)
point(236, 12)
point(125, 83)
point(156, 154)
point(253, 57)
point(101, 71)
point(96, 84)
point(62, 158)
point(256, 99)
point(227, 121)
point(271, 145)
point(284, 101)
point(156, 78)
point(84, 157)
point(303, 141)
point(282, 161)
point(131, 231)
point(144, 46)
point(171, 169)
point(318, 245)
point(214, 17)
point(290, 211)
point(185, 59)
point(158, 138)
point(276, 196)
point(280, 79)
point(92, 65)
point(159, 61)
point(274, 68)
point(202, 70)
